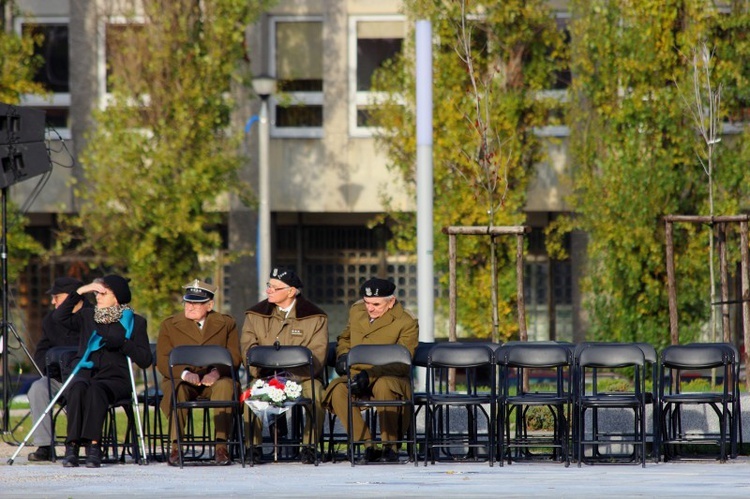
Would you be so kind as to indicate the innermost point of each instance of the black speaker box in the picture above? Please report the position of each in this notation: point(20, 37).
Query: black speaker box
point(22, 161)
point(21, 124)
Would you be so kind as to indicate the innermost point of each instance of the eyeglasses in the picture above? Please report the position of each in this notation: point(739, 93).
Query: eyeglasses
point(273, 290)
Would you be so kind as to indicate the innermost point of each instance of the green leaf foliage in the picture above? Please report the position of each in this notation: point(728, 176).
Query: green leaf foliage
point(634, 160)
point(481, 170)
point(160, 158)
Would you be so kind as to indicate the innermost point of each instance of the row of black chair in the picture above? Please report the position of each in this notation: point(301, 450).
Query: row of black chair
point(594, 399)
point(519, 400)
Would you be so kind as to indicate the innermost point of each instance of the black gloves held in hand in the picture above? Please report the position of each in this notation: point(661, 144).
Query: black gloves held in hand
point(113, 340)
point(360, 383)
point(341, 364)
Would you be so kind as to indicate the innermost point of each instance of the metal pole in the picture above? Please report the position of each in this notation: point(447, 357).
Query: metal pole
point(425, 236)
point(264, 210)
point(6, 322)
point(137, 413)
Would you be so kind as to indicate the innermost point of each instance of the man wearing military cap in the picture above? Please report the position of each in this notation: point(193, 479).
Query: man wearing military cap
point(289, 318)
point(53, 335)
point(199, 324)
point(376, 319)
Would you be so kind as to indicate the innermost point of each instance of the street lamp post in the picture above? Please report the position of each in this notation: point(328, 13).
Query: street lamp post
point(264, 86)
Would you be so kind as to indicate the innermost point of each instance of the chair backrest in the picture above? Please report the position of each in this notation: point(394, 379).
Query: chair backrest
point(56, 355)
point(331, 354)
point(421, 352)
point(66, 361)
point(150, 375)
point(539, 355)
point(283, 357)
point(610, 355)
point(695, 356)
point(200, 355)
point(613, 358)
point(460, 355)
point(379, 355)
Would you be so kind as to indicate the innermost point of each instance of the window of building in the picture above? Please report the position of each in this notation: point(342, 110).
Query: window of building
point(372, 42)
point(54, 73)
point(117, 50)
point(558, 90)
point(548, 292)
point(297, 64)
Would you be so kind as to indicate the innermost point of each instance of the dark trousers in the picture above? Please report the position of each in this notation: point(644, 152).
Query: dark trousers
point(88, 402)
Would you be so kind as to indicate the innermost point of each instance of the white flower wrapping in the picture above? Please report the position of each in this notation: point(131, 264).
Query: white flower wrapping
point(271, 394)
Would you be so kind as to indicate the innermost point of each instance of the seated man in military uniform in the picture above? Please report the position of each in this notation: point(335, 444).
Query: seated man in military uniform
point(199, 324)
point(377, 319)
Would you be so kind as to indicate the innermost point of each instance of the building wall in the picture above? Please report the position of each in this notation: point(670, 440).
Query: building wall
point(336, 178)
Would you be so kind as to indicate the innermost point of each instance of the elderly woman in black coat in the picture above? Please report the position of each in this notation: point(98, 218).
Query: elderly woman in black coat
point(111, 336)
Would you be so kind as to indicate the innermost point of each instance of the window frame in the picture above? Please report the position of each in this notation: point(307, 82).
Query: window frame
point(105, 96)
point(58, 100)
point(297, 97)
point(364, 98)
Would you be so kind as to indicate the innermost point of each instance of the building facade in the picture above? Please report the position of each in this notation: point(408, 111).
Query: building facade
point(327, 178)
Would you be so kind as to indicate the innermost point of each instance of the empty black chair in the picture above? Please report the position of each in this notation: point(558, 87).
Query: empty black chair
point(551, 396)
point(376, 356)
point(735, 415)
point(205, 355)
point(445, 403)
point(608, 441)
point(277, 361)
point(675, 361)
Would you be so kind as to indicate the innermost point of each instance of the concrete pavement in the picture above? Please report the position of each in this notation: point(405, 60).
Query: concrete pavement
point(338, 480)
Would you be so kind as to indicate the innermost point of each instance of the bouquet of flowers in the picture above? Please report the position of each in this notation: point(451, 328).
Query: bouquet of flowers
point(271, 394)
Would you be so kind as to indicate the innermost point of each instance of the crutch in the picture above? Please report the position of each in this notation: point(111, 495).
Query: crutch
point(136, 409)
point(95, 342)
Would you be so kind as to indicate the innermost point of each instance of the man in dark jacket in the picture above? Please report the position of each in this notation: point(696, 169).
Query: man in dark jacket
point(53, 335)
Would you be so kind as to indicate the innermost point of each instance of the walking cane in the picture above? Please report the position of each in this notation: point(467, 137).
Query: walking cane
point(95, 343)
point(144, 456)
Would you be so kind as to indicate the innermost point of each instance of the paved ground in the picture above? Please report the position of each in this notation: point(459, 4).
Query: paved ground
point(338, 480)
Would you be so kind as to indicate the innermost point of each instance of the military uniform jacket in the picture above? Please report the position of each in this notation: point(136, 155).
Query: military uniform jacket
point(396, 326)
point(177, 330)
point(306, 325)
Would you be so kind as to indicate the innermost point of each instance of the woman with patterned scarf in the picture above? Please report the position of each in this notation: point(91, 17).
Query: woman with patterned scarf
point(110, 333)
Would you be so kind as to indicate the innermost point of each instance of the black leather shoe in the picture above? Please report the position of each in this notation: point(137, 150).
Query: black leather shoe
point(370, 456)
point(93, 456)
point(307, 455)
point(41, 454)
point(256, 456)
point(389, 456)
point(71, 456)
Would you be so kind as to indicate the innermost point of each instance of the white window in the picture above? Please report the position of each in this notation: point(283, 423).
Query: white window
point(373, 40)
point(115, 49)
point(558, 90)
point(53, 73)
point(297, 64)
